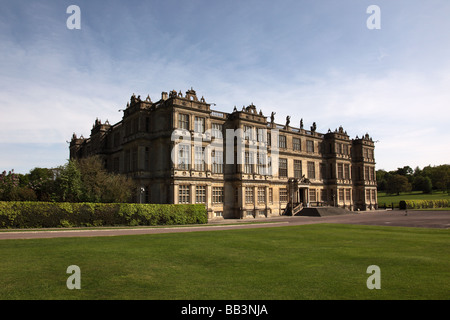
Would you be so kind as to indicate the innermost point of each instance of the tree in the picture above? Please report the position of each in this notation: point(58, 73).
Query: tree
point(422, 183)
point(69, 186)
point(98, 185)
point(398, 183)
point(41, 180)
point(439, 175)
point(9, 182)
point(405, 171)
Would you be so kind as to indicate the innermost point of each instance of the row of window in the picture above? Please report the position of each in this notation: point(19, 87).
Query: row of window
point(184, 195)
point(264, 166)
point(249, 133)
point(217, 129)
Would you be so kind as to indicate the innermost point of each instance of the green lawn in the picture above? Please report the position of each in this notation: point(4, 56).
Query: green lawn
point(302, 262)
point(384, 198)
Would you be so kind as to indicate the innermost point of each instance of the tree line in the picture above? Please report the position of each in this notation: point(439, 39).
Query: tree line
point(427, 180)
point(84, 180)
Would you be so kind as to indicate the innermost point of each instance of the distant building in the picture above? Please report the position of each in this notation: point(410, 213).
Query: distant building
point(239, 164)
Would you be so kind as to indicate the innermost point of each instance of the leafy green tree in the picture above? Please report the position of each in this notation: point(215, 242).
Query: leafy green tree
point(69, 186)
point(9, 182)
point(398, 183)
point(98, 185)
point(422, 183)
point(42, 182)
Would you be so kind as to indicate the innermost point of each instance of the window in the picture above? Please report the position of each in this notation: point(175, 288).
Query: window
point(297, 169)
point(311, 170)
point(134, 160)
point(269, 139)
point(217, 161)
point(217, 130)
point(341, 194)
point(345, 149)
point(261, 194)
point(347, 172)
point(296, 144)
point(374, 195)
point(309, 146)
point(312, 195)
point(261, 134)
point(147, 124)
point(127, 160)
point(368, 195)
point(281, 141)
point(248, 194)
point(283, 195)
point(183, 121)
point(116, 139)
point(282, 168)
point(340, 171)
point(219, 213)
point(200, 194)
point(217, 196)
point(147, 158)
point(261, 164)
point(248, 133)
point(199, 124)
point(199, 163)
point(348, 194)
point(270, 195)
point(184, 156)
point(183, 194)
point(248, 162)
point(135, 126)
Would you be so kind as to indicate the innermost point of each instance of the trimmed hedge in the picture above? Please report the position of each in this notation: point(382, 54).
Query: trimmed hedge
point(421, 204)
point(16, 214)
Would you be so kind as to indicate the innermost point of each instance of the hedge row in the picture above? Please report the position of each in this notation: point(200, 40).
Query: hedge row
point(15, 214)
point(421, 204)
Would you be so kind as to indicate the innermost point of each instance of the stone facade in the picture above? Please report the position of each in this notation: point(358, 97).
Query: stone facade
point(239, 164)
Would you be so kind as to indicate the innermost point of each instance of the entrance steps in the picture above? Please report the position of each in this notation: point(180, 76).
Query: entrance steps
point(323, 211)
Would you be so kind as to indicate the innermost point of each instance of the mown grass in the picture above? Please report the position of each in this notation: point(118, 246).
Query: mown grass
point(301, 262)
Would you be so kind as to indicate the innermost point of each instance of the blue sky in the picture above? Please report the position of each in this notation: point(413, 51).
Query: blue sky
point(315, 60)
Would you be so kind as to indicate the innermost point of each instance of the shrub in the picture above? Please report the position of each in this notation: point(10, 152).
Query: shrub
point(16, 214)
point(423, 204)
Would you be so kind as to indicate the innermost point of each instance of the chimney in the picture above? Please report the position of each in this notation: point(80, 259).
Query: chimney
point(164, 96)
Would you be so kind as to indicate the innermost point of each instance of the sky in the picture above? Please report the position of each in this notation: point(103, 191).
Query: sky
point(309, 59)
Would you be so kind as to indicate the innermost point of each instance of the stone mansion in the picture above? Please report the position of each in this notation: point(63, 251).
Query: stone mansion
point(239, 164)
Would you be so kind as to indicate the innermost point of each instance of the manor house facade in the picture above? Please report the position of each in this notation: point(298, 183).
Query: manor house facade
point(239, 164)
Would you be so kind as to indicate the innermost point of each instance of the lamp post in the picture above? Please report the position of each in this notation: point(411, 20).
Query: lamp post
point(142, 190)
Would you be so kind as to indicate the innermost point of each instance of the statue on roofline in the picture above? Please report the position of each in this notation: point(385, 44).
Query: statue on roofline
point(288, 121)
